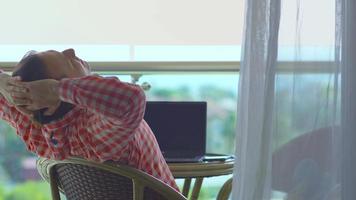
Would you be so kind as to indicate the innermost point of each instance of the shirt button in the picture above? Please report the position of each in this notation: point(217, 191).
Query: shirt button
point(54, 142)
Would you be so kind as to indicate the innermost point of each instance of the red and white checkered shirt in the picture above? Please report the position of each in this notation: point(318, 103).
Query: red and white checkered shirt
point(105, 124)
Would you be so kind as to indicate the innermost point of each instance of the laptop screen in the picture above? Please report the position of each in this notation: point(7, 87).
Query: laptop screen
point(180, 127)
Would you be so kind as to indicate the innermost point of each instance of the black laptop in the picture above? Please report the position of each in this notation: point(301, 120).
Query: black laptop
point(180, 128)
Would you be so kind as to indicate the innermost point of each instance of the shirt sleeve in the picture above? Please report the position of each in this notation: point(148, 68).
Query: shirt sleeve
point(10, 114)
point(120, 103)
point(7, 112)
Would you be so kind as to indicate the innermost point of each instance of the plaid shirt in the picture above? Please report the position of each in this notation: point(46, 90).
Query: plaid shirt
point(105, 124)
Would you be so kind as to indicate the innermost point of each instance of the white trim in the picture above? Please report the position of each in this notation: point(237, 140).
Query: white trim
point(138, 66)
point(197, 66)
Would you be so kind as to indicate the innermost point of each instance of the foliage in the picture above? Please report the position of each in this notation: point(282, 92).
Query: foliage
point(2, 193)
point(12, 151)
point(209, 192)
point(29, 190)
point(180, 94)
point(303, 103)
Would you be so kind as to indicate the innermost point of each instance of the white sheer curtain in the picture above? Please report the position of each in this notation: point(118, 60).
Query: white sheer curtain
point(297, 101)
point(255, 99)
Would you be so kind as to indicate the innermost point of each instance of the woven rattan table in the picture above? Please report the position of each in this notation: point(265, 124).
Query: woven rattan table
point(199, 171)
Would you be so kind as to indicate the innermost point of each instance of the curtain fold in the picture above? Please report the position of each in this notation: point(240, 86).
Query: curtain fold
point(296, 122)
point(255, 99)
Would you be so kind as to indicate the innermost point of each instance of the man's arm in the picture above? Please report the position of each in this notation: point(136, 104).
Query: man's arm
point(120, 103)
point(8, 99)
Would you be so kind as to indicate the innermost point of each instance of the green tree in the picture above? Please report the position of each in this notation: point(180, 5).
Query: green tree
point(30, 191)
point(2, 193)
point(182, 93)
point(12, 151)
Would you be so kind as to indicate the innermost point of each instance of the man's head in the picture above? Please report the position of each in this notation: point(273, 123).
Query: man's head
point(51, 65)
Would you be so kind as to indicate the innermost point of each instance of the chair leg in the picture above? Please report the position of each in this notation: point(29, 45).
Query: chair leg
point(186, 186)
point(225, 190)
point(196, 189)
point(53, 184)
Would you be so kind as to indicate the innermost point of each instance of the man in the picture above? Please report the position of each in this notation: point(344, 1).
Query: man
point(59, 110)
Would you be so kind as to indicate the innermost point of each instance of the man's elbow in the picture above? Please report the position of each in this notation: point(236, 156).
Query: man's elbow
point(140, 104)
point(136, 108)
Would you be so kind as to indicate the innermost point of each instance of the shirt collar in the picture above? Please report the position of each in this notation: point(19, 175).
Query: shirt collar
point(65, 120)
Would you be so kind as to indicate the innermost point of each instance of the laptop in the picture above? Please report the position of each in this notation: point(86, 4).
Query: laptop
point(179, 127)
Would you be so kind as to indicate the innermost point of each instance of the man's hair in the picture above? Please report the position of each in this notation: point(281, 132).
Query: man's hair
point(33, 69)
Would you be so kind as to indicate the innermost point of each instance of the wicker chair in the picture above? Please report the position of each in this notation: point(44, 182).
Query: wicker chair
point(314, 145)
point(79, 179)
point(225, 190)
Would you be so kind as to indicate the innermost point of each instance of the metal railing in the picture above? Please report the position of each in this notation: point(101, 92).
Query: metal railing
point(142, 67)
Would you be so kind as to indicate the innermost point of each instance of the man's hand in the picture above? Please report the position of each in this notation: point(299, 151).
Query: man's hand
point(42, 94)
point(13, 91)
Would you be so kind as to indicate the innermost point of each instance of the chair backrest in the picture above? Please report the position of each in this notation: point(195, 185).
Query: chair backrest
point(310, 149)
point(80, 179)
point(312, 146)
